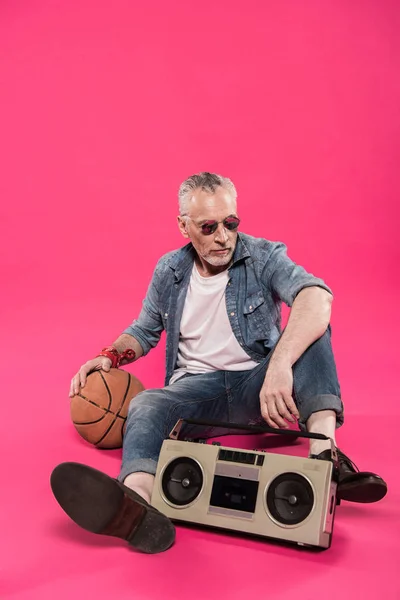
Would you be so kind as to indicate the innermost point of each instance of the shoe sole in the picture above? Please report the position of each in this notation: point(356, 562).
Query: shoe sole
point(365, 491)
point(103, 505)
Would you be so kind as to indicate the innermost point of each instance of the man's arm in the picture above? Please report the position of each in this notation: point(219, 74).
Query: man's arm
point(308, 320)
point(128, 342)
point(145, 331)
point(141, 336)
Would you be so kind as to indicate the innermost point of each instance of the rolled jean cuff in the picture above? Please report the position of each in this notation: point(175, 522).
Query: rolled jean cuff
point(137, 465)
point(318, 403)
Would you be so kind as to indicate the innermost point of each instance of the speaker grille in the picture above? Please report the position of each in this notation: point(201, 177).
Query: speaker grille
point(182, 481)
point(290, 498)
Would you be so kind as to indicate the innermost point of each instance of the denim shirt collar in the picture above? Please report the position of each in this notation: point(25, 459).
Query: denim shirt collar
point(241, 250)
point(183, 260)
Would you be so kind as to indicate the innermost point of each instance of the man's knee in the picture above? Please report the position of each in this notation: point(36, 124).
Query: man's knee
point(150, 399)
point(318, 364)
point(324, 342)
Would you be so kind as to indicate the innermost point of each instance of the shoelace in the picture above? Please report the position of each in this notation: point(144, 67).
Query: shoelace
point(345, 459)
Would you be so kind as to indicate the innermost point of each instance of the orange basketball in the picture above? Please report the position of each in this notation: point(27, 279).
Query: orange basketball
point(99, 411)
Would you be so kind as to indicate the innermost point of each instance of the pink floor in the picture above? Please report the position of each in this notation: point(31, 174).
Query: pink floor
point(104, 109)
point(44, 555)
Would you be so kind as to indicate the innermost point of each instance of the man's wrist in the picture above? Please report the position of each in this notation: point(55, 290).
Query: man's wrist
point(116, 357)
point(281, 359)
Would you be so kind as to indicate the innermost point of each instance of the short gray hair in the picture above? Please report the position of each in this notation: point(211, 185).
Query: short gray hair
point(207, 182)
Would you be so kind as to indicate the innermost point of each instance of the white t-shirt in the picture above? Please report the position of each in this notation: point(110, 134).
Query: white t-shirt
point(207, 342)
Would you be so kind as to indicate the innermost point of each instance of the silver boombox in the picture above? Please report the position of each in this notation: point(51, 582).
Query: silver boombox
point(288, 498)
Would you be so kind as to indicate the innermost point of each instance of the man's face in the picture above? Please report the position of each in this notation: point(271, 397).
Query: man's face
point(217, 248)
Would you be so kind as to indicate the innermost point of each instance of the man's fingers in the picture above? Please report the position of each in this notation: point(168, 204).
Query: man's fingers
point(284, 411)
point(266, 417)
point(74, 386)
point(79, 381)
point(290, 404)
point(82, 374)
point(274, 415)
point(270, 413)
point(271, 423)
point(277, 419)
point(105, 365)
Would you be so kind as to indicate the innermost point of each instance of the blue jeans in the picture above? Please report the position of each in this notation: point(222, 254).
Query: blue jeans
point(230, 396)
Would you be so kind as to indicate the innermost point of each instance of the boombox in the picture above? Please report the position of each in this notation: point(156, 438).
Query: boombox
point(288, 498)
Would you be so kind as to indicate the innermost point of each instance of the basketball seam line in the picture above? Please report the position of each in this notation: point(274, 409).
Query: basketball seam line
point(106, 410)
point(120, 408)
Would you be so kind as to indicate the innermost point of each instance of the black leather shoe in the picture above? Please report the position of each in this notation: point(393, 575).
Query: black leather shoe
point(355, 485)
point(104, 505)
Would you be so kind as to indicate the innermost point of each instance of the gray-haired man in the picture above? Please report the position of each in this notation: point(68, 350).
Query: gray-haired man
point(218, 299)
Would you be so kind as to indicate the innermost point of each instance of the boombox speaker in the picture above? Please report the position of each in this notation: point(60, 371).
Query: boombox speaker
point(271, 495)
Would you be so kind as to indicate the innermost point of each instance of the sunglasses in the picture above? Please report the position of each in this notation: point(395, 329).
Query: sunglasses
point(210, 227)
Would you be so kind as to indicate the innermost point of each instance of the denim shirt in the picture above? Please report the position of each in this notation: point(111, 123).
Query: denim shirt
point(261, 276)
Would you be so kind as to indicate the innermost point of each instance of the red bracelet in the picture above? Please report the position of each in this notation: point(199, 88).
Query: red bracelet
point(112, 353)
point(129, 354)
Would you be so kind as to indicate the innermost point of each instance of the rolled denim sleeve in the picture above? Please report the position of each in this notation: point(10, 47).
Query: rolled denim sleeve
point(285, 278)
point(147, 328)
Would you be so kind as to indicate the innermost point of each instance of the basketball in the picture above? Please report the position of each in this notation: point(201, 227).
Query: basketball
point(99, 411)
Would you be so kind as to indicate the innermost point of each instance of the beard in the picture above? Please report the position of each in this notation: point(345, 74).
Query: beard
point(218, 261)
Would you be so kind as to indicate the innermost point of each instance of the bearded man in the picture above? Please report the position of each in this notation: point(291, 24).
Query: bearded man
point(219, 300)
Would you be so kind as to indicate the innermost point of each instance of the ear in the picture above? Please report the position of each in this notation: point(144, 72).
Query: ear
point(182, 226)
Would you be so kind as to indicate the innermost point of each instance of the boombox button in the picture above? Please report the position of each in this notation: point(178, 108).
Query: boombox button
point(260, 460)
point(225, 455)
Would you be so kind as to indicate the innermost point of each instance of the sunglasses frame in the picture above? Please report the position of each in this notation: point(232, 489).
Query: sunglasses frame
point(214, 224)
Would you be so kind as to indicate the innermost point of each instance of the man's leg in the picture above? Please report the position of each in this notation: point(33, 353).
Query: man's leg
point(316, 389)
point(107, 506)
point(142, 483)
point(152, 416)
point(324, 422)
point(316, 392)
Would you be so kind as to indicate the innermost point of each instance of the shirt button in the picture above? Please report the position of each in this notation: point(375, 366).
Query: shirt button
point(250, 307)
point(166, 315)
point(232, 314)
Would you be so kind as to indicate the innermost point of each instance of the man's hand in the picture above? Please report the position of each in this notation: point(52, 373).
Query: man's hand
point(276, 401)
point(100, 363)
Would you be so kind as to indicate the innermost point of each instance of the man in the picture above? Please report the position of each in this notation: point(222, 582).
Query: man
point(219, 300)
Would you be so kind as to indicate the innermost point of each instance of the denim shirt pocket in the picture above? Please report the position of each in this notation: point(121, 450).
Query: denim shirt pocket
point(253, 302)
point(256, 316)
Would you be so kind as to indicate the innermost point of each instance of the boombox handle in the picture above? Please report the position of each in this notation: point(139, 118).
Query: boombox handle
point(174, 435)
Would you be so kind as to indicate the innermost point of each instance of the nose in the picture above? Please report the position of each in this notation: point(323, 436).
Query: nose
point(221, 235)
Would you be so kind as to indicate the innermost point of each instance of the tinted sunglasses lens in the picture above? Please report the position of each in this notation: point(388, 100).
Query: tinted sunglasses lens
point(209, 228)
point(231, 223)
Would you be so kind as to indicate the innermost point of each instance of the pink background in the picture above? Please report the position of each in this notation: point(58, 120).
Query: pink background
point(104, 109)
